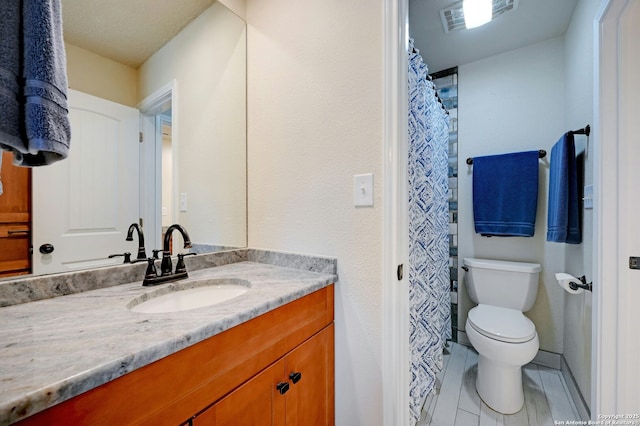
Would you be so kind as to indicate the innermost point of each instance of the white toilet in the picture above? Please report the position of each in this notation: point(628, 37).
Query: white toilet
point(497, 328)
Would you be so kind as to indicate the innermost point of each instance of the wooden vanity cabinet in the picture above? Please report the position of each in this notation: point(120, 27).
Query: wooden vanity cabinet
point(296, 390)
point(228, 379)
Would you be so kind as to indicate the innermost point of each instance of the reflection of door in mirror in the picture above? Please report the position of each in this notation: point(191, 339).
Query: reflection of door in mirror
point(83, 206)
point(167, 206)
point(158, 171)
point(15, 217)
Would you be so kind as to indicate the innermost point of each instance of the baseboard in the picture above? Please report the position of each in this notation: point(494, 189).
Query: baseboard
point(548, 359)
point(574, 391)
point(544, 358)
point(463, 339)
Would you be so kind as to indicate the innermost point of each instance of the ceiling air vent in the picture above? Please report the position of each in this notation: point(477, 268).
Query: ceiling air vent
point(453, 16)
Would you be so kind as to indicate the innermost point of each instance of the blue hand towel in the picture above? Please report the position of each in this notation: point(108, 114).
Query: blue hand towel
point(505, 194)
point(11, 109)
point(33, 82)
point(563, 217)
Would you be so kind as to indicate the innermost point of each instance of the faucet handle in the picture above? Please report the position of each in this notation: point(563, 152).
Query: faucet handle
point(155, 253)
point(126, 255)
point(166, 265)
point(151, 268)
point(180, 266)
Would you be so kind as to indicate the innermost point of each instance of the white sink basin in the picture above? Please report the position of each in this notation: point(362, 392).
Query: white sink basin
point(186, 296)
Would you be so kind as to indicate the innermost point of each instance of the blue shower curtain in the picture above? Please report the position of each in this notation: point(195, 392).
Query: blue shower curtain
point(429, 300)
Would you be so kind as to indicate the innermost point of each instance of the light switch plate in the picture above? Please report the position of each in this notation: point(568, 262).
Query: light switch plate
point(588, 197)
point(183, 201)
point(363, 190)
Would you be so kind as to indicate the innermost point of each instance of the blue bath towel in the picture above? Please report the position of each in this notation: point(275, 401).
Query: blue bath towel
point(505, 194)
point(33, 82)
point(563, 218)
point(11, 109)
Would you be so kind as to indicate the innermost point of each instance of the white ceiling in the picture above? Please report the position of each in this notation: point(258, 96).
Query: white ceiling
point(532, 22)
point(131, 31)
point(127, 31)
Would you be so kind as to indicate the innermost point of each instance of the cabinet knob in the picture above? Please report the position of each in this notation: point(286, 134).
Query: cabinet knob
point(295, 377)
point(282, 387)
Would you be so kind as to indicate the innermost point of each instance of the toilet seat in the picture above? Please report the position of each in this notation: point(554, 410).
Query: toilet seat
point(502, 324)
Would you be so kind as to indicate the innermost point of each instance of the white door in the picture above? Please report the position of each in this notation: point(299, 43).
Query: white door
point(83, 206)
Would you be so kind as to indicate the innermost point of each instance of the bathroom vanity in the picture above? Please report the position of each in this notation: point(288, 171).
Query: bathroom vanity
point(264, 357)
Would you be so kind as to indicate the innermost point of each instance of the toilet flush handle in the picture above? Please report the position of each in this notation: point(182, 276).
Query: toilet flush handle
point(466, 269)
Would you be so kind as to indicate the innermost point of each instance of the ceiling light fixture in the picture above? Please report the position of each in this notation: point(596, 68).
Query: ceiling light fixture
point(477, 12)
point(456, 17)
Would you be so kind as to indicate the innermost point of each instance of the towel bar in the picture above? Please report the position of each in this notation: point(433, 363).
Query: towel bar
point(541, 154)
point(584, 131)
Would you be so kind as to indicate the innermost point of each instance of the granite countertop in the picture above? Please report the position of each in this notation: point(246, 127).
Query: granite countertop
point(52, 350)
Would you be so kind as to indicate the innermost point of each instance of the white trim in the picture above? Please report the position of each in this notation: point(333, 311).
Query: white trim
point(150, 158)
point(614, 366)
point(548, 359)
point(395, 306)
point(605, 251)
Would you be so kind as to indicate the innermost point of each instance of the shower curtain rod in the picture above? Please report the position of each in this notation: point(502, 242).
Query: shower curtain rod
point(541, 154)
point(415, 51)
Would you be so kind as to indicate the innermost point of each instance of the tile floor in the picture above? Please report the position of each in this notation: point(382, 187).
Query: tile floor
point(458, 404)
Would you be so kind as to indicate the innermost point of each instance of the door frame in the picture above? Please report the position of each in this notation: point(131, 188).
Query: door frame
point(395, 300)
point(615, 372)
point(151, 158)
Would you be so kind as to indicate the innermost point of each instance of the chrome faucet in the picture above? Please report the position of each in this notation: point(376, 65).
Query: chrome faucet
point(142, 255)
point(166, 275)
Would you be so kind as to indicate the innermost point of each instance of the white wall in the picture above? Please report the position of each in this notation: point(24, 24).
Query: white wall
point(508, 103)
point(579, 112)
point(208, 61)
point(315, 107)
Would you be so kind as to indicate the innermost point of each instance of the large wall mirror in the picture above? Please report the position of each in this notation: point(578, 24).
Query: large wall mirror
point(187, 94)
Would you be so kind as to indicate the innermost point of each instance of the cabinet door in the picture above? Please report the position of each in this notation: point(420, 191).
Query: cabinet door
point(310, 400)
point(15, 217)
point(255, 403)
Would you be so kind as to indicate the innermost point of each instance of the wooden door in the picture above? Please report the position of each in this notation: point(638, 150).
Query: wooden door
point(255, 403)
point(310, 400)
point(84, 204)
point(15, 218)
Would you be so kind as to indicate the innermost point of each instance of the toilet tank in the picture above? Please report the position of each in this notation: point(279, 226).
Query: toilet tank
point(501, 283)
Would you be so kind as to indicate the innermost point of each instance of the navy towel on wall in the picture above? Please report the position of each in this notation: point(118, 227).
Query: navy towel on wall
point(505, 194)
point(563, 224)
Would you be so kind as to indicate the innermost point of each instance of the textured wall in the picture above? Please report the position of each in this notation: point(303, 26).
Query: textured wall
point(315, 120)
point(508, 103)
point(208, 61)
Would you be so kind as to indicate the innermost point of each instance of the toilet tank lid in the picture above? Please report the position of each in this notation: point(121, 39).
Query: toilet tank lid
point(502, 265)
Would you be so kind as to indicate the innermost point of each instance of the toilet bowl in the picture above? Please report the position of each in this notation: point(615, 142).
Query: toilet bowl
point(505, 340)
point(497, 328)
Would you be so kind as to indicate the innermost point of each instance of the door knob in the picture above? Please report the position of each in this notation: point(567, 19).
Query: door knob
point(46, 248)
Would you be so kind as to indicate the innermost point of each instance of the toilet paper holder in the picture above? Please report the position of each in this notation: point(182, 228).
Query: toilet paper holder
point(583, 284)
